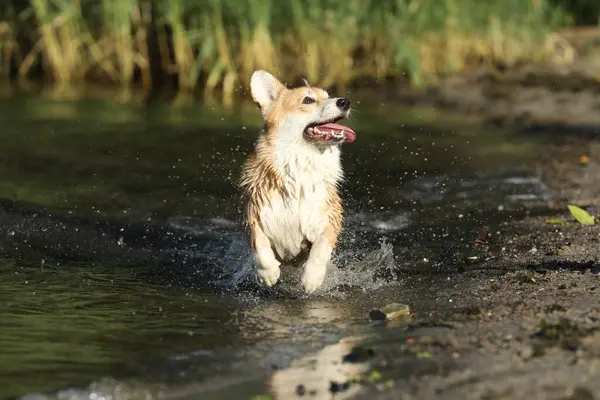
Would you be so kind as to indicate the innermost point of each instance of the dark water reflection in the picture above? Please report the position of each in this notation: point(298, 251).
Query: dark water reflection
point(109, 215)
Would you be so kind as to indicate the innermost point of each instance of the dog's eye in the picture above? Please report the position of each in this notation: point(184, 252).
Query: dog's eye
point(308, 100)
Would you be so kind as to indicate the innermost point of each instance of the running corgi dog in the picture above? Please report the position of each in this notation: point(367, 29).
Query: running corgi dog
point(290, 182)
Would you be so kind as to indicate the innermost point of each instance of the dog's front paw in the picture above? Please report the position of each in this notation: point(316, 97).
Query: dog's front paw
point(312, 277)
point(268, 277)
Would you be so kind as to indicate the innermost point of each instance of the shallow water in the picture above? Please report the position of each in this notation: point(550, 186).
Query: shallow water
point(123, 256)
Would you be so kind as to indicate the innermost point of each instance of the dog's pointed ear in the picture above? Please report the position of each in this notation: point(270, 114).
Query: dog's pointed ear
point(265, 89)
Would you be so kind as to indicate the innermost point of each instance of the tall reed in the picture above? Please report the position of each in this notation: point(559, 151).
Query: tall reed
point(117, 37)
point(60, 39)
point(214, 45)
point(9, 48)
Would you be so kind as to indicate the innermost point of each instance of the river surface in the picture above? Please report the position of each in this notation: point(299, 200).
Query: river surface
point(124, 268)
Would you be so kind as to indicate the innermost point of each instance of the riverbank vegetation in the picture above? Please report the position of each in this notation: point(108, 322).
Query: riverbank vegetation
point(213, 45)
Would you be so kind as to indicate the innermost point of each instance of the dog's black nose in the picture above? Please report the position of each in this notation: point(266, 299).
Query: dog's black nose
point(343, 103)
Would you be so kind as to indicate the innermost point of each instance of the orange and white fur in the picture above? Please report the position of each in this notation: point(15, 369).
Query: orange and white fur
point(290, 182)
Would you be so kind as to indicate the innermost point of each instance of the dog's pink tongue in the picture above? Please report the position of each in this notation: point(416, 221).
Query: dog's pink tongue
point(348, 132)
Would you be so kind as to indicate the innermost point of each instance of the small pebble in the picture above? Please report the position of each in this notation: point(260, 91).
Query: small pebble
point(390, 311)
point(526, 352)
point(358, 354)
point(338, 387)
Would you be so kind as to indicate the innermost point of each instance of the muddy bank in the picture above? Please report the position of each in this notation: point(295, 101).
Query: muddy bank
point(533, 332)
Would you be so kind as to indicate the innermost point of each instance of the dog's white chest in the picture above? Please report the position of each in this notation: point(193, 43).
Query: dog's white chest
point(300, 214)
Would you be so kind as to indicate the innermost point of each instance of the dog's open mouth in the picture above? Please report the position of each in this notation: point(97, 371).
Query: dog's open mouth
point(330, 132)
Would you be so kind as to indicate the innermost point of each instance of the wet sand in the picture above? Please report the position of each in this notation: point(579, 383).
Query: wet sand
point(526, 323)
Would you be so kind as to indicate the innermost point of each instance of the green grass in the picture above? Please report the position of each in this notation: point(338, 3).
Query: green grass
point(214, 45)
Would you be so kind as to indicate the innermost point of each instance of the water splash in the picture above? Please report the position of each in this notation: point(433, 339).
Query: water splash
point(227, 262)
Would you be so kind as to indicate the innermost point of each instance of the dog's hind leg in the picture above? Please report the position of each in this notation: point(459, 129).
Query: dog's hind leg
point(315, 267)
point(267, 266)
